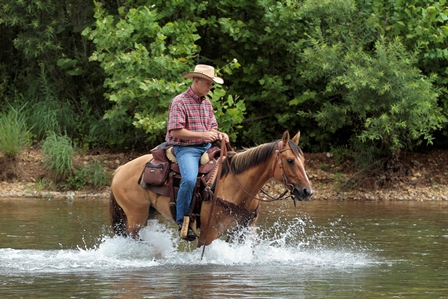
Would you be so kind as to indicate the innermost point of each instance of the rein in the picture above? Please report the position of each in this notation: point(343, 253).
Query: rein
point(223, 154)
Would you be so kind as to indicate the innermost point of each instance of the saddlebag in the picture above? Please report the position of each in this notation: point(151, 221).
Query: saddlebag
point(156, 172)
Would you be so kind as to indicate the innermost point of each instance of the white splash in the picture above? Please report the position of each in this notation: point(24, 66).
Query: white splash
point(160, 246)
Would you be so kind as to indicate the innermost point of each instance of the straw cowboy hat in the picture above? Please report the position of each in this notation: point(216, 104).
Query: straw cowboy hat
point(206, 72)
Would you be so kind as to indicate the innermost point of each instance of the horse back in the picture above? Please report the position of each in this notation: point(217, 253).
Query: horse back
point(130, 170)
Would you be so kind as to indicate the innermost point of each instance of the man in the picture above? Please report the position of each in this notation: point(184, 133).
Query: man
point(191, 128)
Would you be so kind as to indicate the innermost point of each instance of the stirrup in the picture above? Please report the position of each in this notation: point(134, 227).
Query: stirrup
point(186, 232)
point(184, 228)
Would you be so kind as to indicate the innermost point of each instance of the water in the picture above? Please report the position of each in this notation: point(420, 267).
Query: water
point(64, 249)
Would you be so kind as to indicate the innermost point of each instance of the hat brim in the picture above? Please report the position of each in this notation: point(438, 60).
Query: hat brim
point(218, 80)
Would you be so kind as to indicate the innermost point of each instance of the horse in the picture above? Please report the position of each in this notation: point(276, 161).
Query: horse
point(236, 203)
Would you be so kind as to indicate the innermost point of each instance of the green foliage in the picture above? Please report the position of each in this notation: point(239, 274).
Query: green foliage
point(145, 54)
point(51, 116)
point(90, 175)
point(423, 27)
point(422, 24)
point(15, 135)
point(58, 152)
point(76, 182)
point(370, 94)
point(99, 176)
point(47, 113)
point(258, 35)
point(144, 61)
point(229, 111)
point(44, 117)
point(45, 184)
point(44, 58)
point(332, 68)
point(386, 101)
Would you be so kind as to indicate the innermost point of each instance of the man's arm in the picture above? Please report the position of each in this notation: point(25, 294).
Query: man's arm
point(208, 136)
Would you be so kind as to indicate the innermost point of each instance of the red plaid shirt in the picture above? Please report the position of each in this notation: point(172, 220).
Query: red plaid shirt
point(191, 112)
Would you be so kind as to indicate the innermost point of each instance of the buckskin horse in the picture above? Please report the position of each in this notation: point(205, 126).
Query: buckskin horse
point(235, 202)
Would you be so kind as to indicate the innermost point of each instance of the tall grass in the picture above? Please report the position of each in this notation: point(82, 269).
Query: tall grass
point(58, 152)
point(47, 112)
point(14, 133)
point(99, 175)
point(51, 116)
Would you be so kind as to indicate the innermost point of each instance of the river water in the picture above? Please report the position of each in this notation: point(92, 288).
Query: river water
point(65, 249)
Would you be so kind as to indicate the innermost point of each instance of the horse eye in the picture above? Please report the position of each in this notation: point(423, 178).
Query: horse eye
point(290, 161)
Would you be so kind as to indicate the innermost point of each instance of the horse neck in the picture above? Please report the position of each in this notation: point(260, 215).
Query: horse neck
point(242, 188)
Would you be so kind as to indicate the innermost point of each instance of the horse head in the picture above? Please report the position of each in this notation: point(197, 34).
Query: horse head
point(290, 167)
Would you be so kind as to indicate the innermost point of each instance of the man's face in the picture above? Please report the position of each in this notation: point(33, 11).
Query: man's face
point(203, 86)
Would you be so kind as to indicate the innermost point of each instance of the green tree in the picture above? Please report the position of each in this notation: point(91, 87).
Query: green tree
point(144, 51)
point(375, 95)
point(44, 58)
point(287, 65)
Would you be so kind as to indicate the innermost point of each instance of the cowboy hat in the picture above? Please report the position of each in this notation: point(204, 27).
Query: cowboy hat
point(206, 72)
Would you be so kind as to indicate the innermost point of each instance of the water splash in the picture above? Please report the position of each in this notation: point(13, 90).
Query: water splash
point(297, 244)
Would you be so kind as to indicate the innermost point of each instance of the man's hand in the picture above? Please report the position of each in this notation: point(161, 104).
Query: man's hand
point(209, 136)
point(221, 136)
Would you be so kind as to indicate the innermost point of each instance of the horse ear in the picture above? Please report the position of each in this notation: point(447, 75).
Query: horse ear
point(296, 138)
point(285, 138)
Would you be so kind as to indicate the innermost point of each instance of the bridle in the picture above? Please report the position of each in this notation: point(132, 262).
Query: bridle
point(282, 196)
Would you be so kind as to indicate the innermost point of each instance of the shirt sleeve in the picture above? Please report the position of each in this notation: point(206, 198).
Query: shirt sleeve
point(176, 116)
point(213, 122)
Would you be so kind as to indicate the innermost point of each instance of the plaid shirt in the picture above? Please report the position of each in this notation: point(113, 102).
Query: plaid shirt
point(191, 112)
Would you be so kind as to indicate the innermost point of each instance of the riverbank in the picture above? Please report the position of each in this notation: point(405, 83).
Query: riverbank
point(413, 176)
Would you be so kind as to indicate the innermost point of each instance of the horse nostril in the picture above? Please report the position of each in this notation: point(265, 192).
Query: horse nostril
point(308, 191)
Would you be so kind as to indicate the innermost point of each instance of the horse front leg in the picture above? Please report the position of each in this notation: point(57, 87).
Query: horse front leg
point(214, 227)
point(208, 234)
point(238, 236)
point(242, 233)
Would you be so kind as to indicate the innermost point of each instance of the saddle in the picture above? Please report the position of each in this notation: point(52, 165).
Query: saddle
point(162, 175)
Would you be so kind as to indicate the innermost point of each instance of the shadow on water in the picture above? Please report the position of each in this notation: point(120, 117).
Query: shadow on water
point(320, 250)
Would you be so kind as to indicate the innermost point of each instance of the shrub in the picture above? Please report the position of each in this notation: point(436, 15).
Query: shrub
point(380, 101)
point(15, 136)
point(58, 152)
point(98, 175)
point(92, 175)
point(51, 116)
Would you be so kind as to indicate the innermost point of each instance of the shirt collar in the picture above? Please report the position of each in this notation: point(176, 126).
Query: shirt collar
point(195, 97)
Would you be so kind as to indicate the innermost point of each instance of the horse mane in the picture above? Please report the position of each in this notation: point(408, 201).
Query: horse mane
point(248, 158)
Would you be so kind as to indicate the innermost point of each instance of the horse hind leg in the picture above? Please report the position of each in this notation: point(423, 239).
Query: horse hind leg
point(137, 218)
point(127, 223)
point(118, 217)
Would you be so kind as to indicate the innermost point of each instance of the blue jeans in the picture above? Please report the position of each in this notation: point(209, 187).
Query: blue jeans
point(188, 159)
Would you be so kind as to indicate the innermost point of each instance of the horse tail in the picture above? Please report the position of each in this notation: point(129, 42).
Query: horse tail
point(117, 216)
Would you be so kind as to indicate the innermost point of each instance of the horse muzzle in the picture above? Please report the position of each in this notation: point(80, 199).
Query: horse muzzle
point(301, 194)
